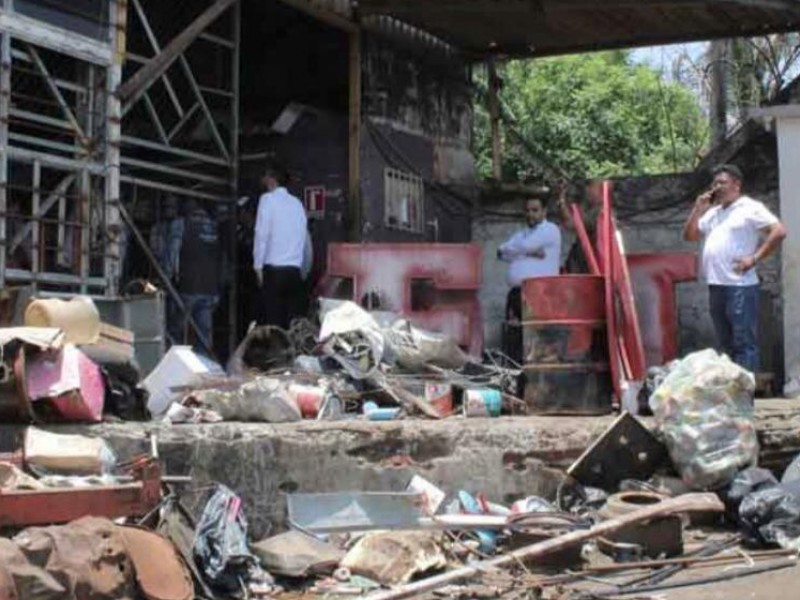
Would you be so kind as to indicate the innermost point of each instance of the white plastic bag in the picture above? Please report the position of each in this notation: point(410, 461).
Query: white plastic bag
point(704, 408)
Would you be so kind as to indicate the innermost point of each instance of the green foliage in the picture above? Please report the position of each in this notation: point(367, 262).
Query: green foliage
point(591, 115)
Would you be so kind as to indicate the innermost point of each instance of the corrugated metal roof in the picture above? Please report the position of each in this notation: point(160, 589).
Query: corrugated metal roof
point(547, 27)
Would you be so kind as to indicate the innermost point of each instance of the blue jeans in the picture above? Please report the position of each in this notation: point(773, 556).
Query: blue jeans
point(734, 311)
point(201, 308)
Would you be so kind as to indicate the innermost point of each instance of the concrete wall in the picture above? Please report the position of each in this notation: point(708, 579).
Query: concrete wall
point(651, 212)
point(788, 130)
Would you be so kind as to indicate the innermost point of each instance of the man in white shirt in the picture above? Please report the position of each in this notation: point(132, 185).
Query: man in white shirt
point(280, 248)
point(737, 233)
point(533, 252)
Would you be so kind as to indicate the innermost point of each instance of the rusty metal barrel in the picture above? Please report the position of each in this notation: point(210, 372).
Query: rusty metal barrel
point(565, 347)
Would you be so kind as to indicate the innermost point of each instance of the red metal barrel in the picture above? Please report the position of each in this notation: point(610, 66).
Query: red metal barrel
point(565, 349)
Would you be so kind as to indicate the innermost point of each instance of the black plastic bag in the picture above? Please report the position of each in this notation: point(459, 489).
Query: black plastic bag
point(220, 546)
point(745, 483)
point(771, 515)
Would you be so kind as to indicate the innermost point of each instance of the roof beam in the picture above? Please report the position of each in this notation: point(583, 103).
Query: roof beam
point(322, 14)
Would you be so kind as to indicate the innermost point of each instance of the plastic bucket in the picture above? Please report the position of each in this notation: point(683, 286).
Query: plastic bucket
point(482, 403)
point(78, 318)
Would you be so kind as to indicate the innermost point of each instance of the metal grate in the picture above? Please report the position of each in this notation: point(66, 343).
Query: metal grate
point(404, 200)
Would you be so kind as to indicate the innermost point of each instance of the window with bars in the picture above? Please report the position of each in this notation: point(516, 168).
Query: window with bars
point(404, 200)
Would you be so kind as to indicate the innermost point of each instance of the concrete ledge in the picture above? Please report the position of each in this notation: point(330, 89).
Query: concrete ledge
point(505, 458)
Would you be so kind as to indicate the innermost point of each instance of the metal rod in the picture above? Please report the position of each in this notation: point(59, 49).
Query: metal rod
point(183, 173)
point(85, 230)
point(687, 560)
point(35, 198)
point(157, 50)
point(42, 142)
point(166, 187)
point(198, 94)
point(215, 39)
point(354, 135)
point(151, 110)
point(70, 86)
point(681, 504)
point(132, 89)
point(233, 303)
point(185, 119)
point(216, 91)
point(132, 141)
point(187, 69)
point(727, 576)
point(37, 118)
point(38, 212)
point(56, 93)
point(5, 105)
point(61, 256)
point(52, 278)
point(53, 161)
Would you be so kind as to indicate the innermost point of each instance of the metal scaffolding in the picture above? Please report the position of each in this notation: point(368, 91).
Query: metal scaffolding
point(105, 102)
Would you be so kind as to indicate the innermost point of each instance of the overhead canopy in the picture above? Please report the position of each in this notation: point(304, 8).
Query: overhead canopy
point(548, 27)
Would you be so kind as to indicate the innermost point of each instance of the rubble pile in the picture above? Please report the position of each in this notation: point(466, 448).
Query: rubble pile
point(352, 366)
point(644, 509)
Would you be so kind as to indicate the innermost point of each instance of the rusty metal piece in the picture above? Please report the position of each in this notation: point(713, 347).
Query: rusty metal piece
point(160, 572)
point(88, 554)
point(626, 450)
point(657, 537)
point(44, 507)
point(530, 528)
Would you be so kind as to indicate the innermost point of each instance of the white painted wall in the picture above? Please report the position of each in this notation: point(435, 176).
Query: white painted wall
point(788, 133)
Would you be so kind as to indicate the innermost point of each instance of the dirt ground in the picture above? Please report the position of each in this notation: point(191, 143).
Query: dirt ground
point(776, 585)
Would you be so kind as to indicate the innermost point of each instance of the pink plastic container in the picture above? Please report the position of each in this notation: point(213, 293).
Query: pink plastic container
point(69, 381)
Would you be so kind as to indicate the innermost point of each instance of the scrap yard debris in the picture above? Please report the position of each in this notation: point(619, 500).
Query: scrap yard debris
point(651, 505)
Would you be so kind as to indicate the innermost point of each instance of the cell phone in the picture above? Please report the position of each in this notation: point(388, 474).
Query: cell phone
point(714, 194)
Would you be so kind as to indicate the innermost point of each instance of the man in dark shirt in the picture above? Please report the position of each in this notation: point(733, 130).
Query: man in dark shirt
point(198, 270)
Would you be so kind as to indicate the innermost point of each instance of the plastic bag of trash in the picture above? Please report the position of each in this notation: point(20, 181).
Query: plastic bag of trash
point(220, 546)
point(771, 515)
point(704, 409)
point(263, 399)
point(413, 348)
point(353, 338)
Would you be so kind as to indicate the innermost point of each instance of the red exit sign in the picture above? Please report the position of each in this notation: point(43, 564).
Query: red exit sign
point(314, 200)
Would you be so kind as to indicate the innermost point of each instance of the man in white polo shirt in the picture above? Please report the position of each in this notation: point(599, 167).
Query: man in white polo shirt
point(532, 252)
point(738, 232)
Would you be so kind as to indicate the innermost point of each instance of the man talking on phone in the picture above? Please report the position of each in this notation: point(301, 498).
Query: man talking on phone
point(738, 232)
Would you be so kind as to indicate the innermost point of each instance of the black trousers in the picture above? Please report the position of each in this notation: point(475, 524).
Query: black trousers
point(281, 296)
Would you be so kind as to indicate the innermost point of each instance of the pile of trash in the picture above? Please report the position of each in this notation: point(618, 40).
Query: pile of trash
point(66, 365)
point(638, 512)
point(357, 364)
